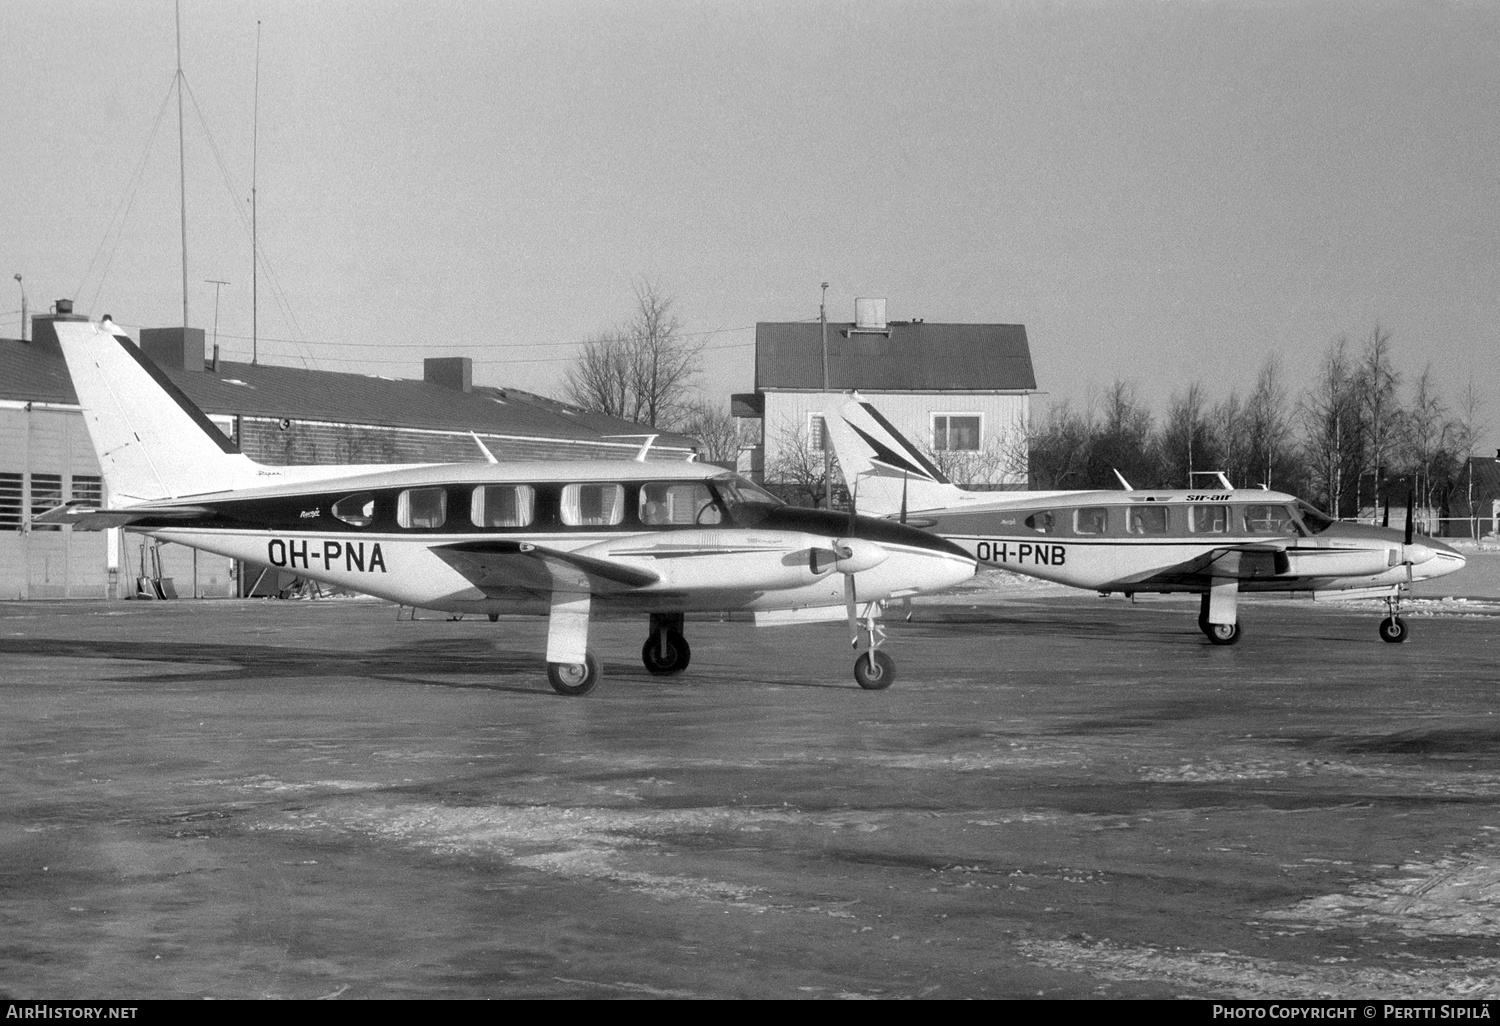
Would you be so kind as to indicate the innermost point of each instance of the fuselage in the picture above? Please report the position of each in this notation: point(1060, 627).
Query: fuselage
point(1173, 540)
point(456, 537)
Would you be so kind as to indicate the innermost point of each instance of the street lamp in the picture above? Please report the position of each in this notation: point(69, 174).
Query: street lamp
point(23, 306)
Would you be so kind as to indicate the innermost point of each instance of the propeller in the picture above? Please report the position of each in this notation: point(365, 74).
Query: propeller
point(1385, 520)
point(1411, 500)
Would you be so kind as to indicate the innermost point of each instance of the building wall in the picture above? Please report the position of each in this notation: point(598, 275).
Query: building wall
point(1000, 464)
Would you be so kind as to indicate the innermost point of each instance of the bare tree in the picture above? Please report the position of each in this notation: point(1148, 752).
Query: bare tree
point(641, 370)
point(1058, 451)
point(1000, 458)
point(1379, 409)
point(1186, 437)
point(1430, 437)
point(794, 469)
point(1269, 430)
point(711, 425)
point(1330, 417)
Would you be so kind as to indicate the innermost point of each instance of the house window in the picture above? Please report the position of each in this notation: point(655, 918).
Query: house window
point(956, 432)
point(46, 493)
point(10, 502)
point(88, 489)
point(816, 432)
point(593, 505)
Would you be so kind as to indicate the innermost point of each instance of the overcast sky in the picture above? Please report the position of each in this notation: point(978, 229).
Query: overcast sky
point(1159, 191)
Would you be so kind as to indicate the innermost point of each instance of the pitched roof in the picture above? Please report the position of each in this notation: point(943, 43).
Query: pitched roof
point(38, 374)
point(914, 356)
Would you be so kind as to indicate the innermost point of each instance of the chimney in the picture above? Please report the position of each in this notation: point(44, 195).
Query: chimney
point(43, 334)
point(869, 314)
point(455, 372)
point(174, 348)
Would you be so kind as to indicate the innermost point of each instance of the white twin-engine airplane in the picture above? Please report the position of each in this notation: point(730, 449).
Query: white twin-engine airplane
point(1210, 542)
point(561, 539)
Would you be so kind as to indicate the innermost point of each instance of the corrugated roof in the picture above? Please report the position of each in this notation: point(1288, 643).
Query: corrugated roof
point(37, 374)
point(917, 356)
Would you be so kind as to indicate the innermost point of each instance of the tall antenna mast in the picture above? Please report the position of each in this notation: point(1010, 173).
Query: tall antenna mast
point(181, 166)
point(254, 239)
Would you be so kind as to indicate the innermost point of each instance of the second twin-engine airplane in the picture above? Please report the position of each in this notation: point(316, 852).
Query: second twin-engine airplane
point(561, 539)
point(1217, 543)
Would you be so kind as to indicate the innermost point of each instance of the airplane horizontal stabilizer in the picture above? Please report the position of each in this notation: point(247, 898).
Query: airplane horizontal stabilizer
point(83, 517)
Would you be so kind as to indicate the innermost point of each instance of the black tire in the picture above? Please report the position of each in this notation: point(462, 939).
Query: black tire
point(575, 679)
point(494, 618)
point(1393, 630)
point(667, 654)
point(875, 671)
point(1203, 624)
point(1223, 633)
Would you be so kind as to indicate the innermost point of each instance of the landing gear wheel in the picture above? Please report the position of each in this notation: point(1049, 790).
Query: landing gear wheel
point(1393, 629)
point(574, 678)
point(1223, 633)
point(494, 618)
point(666, 653)
point(875, 671)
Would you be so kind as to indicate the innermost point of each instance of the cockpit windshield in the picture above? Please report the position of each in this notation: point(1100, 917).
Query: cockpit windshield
point(747, 503)
point(1314, 519)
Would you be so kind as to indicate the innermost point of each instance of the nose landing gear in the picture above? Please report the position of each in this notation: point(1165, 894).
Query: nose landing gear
point(1393, 628)
point(873, 670)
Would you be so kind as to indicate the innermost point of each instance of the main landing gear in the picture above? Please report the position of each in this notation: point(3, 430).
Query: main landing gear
point(575, 678)
point(1217, 633)
point(666, 651)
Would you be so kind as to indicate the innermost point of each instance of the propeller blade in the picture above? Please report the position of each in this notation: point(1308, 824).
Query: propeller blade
point(1411, 499)
point(1385, 519)
point(849, 606)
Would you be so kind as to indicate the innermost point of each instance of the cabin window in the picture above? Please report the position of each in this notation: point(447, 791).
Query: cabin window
point(1042, 523)
point(422, 507)
point(1269, 520)
point(88, 489)
point(356, 510)
point(956, 432)
point(502, 505)
point(593, 505)
point(1208, 519)
point(46, 493)
point(1314, 519)
point(686, 502)
point(1091, 520)
point(10, 502)
point(1146, 520)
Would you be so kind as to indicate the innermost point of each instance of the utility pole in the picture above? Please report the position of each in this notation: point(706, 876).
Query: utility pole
point(827, 458)
point(182, 169)
point(254, 239)
point(23, 306)
point(217, 284)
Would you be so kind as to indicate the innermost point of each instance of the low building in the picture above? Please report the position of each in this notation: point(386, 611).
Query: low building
point(961, 391)
point(277, 415)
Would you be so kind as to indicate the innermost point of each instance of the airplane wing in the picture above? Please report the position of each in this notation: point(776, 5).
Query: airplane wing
point(1244, 562)
point(84, 517)
point(505, 565)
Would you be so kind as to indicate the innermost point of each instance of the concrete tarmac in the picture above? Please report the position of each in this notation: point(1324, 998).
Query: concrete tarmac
point(1061, 796)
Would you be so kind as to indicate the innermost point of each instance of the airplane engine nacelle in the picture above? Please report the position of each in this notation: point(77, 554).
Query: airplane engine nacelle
point(855, 555)
point(1341, 562)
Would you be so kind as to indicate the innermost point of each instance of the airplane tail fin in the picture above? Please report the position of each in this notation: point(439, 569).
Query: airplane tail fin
point(152, 442)
point(890, 472)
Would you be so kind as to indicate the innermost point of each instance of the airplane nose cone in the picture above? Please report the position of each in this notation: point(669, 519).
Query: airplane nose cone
point(1417, 554)
point(1436, 559)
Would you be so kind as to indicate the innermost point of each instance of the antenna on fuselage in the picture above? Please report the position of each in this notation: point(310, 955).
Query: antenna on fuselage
point(1121, 477)
point(489, 457)
point(1222, 477)
point(903, 496)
